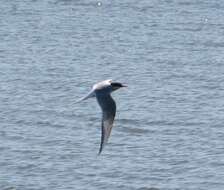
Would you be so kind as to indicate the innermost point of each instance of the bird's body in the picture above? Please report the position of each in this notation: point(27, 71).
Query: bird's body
point(102, 91)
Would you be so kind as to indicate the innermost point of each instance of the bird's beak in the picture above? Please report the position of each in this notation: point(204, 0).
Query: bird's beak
point(123, 85)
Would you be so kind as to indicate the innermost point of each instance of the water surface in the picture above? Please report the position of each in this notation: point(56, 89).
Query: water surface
point(168, 131)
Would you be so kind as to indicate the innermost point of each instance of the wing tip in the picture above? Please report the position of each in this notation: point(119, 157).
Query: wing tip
point(101, 148)
point(99, 153)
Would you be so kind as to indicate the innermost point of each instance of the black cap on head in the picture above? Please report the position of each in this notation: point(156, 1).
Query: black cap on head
point(117, 85)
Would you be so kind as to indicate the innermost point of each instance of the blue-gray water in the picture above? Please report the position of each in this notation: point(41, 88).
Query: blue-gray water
point(168, 131)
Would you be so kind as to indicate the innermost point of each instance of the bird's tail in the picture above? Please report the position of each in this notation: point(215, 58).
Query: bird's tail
point(89, 95)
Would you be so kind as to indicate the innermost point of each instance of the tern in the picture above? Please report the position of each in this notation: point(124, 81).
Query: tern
point(102, 91)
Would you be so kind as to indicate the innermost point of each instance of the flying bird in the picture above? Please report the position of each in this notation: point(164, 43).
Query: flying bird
point(102, 91)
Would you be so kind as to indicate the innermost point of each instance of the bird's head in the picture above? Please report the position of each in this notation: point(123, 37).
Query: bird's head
point(117, 85)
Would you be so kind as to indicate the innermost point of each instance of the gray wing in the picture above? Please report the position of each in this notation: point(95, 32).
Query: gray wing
point(108, 107)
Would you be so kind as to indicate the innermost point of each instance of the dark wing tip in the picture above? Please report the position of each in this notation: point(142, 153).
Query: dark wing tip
point(102, 141)
point(100, 150)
